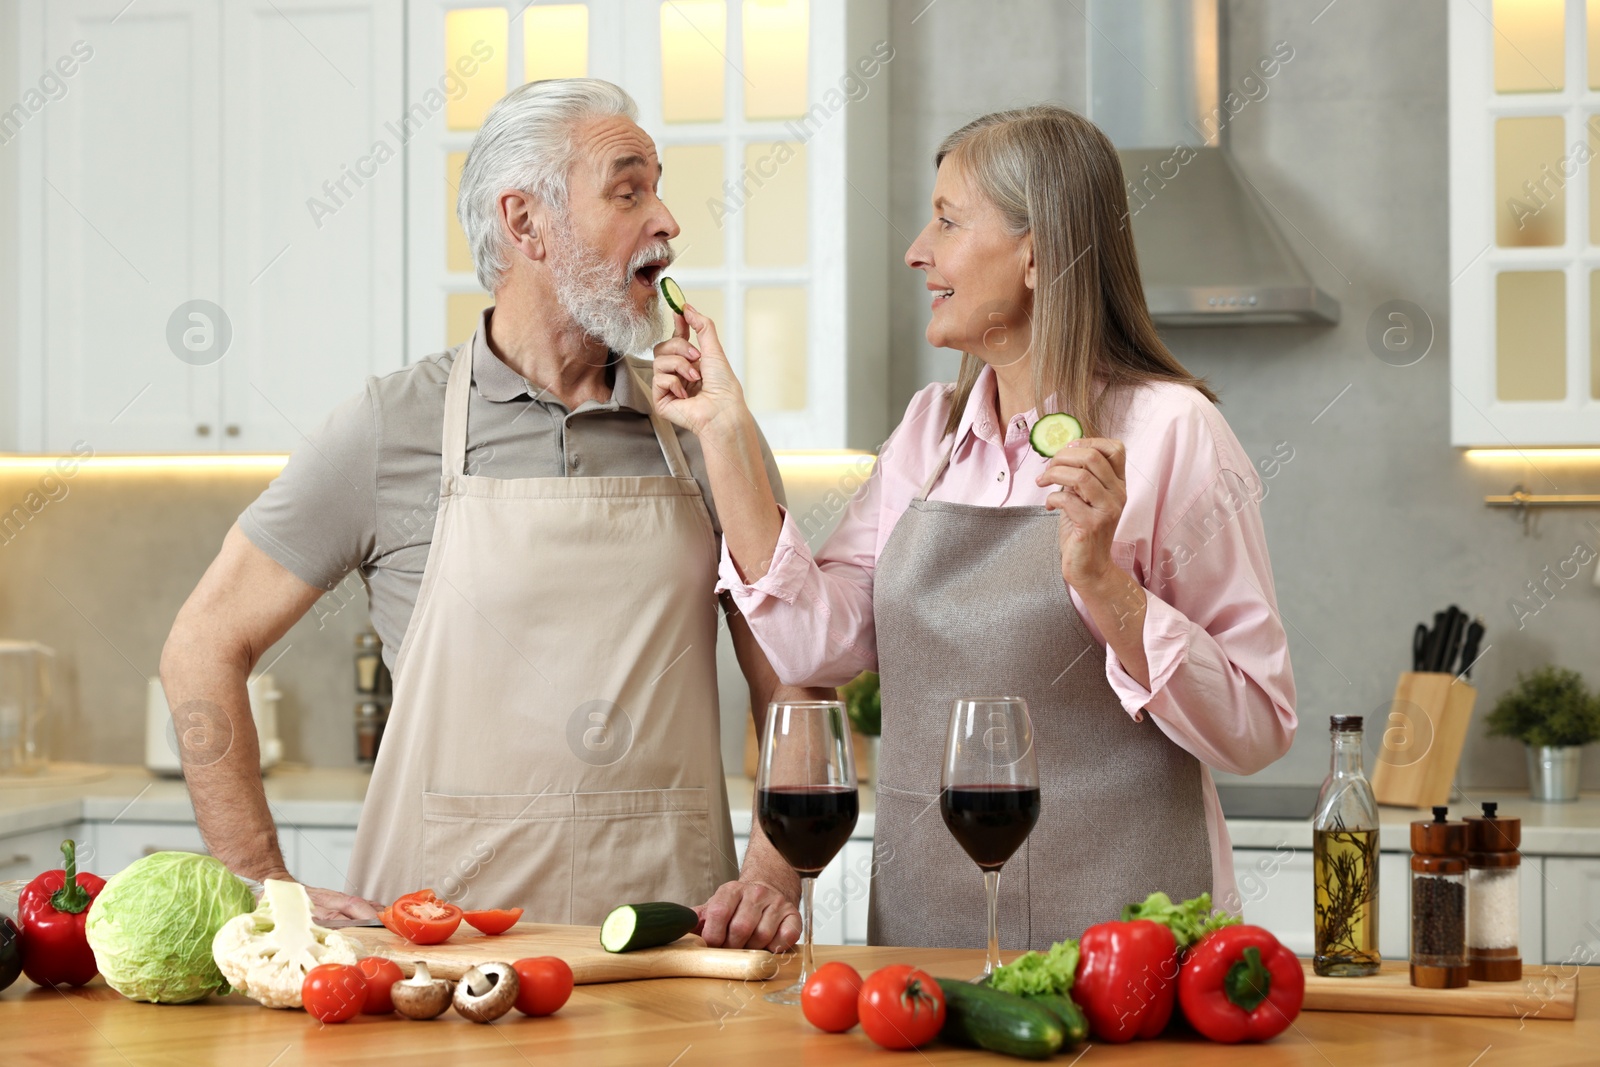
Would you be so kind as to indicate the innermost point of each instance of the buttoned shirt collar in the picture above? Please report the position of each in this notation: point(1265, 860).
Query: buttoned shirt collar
point(498, 382)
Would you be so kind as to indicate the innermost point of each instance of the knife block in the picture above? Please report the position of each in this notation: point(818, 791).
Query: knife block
point(1422, 739)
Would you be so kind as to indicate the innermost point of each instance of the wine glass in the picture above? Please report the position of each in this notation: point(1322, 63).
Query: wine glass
point(990, 790)
point(806, 799)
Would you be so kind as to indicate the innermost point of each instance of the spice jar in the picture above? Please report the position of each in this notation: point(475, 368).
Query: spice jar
point(369, 657)
point(1494, 913)
point(1439, 902)
point(370, 721)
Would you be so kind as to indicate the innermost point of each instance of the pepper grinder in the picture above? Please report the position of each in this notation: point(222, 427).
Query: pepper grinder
point(1494, 914)
point(372, 683)
point(1439, 902)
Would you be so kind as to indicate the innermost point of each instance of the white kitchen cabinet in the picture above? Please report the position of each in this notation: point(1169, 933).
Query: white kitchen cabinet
point(25, 856)
point(1275, 891)
point(1571, 910)
point(117, 844)
point(1524, 287)
point(855, 885)
point(216, 152)
point(319, 855)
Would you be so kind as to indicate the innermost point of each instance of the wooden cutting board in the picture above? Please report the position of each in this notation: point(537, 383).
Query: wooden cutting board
point(687, 957)
point(1543, 993)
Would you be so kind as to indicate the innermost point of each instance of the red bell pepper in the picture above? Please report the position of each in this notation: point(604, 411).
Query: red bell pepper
point(1241, 984)
point(52, 909)
point(1127, 979)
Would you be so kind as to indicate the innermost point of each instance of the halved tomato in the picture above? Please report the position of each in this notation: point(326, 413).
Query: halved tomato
point(422, 918)
point(493, 920)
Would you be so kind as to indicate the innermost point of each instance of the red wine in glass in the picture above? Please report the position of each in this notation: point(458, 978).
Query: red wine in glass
point(808, 824)
point(990, 822)
point(989, 791)
point(806, 800)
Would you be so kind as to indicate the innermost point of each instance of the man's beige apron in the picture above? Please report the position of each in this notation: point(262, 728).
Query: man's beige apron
point(553, 742)
point(969, 601)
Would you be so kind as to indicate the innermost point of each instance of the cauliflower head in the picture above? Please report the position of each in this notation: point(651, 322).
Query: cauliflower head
point(266, 953)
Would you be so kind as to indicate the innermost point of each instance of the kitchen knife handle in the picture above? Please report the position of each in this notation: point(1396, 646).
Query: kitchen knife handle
point(1469, 651)
point(1453, 646)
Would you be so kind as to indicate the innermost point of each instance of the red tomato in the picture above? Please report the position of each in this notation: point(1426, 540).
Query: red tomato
point(380, 975)
point(495, 921)
point(829, 998)
point(901, 1007)
point(544, 984)
point(334, 992)
point(422, 920)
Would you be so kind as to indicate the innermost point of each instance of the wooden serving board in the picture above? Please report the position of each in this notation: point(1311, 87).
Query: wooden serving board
point(1543, 993)
point(688, 957)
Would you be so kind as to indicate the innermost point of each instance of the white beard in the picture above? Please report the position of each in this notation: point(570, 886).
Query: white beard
point(598, 300)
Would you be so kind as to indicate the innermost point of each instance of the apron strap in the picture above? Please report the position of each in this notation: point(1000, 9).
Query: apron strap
point(666, 436)
point(458, 391)
point(453, 454)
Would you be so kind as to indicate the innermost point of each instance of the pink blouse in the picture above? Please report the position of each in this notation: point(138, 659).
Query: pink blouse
point(1220, 681)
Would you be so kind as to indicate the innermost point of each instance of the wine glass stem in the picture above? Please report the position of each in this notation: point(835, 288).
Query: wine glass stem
point(805, 919)
point(991, 886)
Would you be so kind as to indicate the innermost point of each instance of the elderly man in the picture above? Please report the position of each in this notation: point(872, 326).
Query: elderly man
point(540, 547)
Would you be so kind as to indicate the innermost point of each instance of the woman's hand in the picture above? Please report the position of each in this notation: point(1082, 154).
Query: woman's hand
point(1090, 473)
point(694, 387)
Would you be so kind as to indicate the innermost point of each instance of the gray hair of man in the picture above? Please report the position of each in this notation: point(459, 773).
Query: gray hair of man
point(527, 143)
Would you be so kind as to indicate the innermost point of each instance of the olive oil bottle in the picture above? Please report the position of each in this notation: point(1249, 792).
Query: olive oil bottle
point(1345, 861)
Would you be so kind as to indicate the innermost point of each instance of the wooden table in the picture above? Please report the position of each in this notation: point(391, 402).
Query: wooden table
point(684, 1022)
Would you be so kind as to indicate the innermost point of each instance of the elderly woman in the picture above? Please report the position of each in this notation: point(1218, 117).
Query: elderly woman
point(969, 564)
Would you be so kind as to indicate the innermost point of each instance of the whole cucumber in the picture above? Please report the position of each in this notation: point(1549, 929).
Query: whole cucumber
point(1000, 1022)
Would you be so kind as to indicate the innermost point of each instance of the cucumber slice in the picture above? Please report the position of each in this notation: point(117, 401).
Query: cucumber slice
point(674, 295)
point(634, 926)
point(1053, 433)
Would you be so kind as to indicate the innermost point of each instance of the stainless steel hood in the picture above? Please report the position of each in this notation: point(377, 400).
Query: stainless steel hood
point(1211, 250)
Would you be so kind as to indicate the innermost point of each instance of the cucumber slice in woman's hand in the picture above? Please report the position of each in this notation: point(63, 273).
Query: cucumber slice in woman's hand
point(1053, 433)
point(674, 295)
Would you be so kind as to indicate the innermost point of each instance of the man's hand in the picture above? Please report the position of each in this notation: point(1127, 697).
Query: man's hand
point(749, 915)
point(331, 904)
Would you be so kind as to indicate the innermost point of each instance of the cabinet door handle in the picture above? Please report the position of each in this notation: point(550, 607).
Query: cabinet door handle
point(17, 860)
point(233, 429)
point(203, 429)
point(151, 850)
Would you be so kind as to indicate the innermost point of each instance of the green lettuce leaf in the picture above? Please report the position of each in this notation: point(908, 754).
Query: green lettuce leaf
point(1038, 973)
point(1189, 921)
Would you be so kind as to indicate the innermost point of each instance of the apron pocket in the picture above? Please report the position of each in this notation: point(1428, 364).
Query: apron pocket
point(501, 851)
point(637, 845)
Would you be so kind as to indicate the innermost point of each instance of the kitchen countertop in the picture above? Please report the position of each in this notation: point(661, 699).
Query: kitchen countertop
point(299, 796)
point(303, 796)
point(691, 1021)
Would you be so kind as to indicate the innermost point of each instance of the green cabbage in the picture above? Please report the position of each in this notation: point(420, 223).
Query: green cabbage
point(151, 926)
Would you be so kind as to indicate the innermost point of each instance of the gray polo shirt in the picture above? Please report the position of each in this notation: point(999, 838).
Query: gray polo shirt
point(360, 494)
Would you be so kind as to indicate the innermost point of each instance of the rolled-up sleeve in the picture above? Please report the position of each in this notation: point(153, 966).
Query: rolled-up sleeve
point(1221, 685)
point(812, 616)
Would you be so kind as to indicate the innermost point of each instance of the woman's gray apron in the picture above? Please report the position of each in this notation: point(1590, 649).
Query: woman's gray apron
point(969, 601)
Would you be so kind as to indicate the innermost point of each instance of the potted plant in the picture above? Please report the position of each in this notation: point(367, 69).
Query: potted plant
point(1553, 713)
point(864, 704)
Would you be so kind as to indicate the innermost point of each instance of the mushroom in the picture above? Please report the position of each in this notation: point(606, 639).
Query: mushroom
point(486, 992)
point(421, 996)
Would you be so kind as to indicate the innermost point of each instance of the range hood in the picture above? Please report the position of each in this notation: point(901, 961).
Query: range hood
point(1211, 251)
